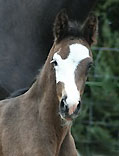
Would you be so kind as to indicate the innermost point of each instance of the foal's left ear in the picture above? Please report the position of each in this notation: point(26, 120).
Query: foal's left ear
point(60, 25)
point(90, 29)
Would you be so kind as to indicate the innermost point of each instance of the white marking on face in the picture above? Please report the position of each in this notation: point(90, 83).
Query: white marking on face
point(65, 71)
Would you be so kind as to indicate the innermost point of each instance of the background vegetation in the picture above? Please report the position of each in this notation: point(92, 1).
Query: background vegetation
point(96, 130)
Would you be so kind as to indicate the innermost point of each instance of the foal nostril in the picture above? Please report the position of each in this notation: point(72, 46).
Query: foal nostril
point(79, 105)
point(78, 108)
point(63, 105)
point(63, 101)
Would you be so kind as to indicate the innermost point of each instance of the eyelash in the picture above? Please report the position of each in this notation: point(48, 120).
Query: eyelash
point(90, 65)
point(54, 62)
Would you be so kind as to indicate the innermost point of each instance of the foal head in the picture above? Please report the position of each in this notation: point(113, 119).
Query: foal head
point(71, 60)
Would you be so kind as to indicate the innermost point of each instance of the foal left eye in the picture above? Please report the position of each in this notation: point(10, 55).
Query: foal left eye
point(90, 65)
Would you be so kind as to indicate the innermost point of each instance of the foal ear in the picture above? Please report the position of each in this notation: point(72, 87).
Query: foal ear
point(90, 29)
point(60, 25)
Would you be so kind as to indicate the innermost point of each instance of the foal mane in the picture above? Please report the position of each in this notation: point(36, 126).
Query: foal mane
point(74, 31)
point(64, 28)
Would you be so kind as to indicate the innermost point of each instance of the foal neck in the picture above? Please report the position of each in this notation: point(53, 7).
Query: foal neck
point(43, 92)
point(43, 95)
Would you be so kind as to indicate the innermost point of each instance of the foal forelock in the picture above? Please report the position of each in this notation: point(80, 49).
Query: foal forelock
point(66, 68)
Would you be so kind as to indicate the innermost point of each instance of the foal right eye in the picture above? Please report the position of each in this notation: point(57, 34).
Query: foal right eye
point(54, 62)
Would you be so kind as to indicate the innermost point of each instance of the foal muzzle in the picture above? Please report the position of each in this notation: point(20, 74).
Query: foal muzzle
point(65, 109)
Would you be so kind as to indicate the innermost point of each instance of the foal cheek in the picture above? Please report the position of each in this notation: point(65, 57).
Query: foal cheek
point(83, 86)
point(80, 85)
point(60, 90)
point(82, 89)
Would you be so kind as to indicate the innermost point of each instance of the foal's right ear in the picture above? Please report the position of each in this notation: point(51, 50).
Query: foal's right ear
point(60, 25)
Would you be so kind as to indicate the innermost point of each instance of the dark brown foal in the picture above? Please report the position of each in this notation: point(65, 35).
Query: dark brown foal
point(38, 122)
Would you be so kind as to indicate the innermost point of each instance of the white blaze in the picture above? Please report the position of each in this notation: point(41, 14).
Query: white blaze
point(65, 71)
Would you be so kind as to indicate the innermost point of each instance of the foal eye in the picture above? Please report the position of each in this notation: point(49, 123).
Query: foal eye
point(54, 62)
point(90, 65)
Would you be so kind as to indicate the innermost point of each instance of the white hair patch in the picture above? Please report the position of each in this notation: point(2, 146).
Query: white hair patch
point(65, 71)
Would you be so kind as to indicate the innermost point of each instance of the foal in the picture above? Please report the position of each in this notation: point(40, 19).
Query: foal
point(35, 123)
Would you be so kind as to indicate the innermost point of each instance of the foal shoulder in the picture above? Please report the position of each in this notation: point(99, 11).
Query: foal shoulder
point(9, 108)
